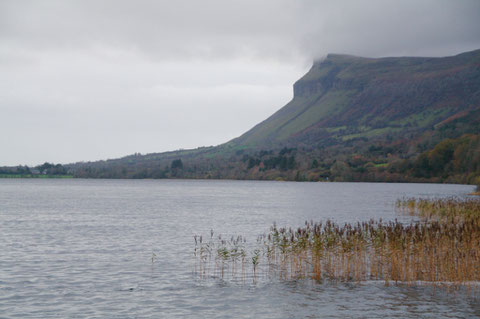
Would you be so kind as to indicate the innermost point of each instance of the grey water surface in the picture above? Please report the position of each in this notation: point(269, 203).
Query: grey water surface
point(83, 249)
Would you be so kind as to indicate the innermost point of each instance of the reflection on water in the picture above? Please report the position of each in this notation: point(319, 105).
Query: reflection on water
point(83, 248)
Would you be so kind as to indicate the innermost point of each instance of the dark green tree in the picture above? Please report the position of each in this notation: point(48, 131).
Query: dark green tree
point(176, 164)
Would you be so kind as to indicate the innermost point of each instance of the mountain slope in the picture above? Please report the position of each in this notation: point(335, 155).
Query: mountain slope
point(346, 97)
point(351, 119)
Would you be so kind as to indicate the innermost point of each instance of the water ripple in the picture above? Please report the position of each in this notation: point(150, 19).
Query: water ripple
point(83, 249)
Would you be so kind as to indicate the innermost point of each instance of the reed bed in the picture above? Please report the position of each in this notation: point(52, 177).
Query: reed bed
point(448, 209)
point(442, 249)
point(435, 252)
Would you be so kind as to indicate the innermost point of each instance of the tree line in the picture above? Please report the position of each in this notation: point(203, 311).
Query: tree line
point(451, 160)
point(45, 169)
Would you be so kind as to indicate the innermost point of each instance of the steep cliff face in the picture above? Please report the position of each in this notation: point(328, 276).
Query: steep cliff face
point(345, 97)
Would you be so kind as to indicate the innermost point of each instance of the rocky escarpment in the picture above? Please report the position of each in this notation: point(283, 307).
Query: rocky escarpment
point(344, 97)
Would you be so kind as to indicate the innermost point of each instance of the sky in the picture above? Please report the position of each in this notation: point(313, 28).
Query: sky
point(90, 80)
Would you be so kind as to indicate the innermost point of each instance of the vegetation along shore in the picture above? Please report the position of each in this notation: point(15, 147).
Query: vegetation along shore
point(443, 248)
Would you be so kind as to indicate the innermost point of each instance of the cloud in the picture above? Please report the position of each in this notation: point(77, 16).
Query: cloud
point(384, 27)
point(85, 80)
point(218, 29)
point(79, 106)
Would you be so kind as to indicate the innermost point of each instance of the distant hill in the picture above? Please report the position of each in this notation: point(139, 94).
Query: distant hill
point(351, 118)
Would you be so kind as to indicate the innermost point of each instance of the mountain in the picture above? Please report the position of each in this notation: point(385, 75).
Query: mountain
point(351, 118)
point(346, 97)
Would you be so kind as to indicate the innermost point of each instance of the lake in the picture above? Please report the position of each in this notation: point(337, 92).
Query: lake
point(83, 249)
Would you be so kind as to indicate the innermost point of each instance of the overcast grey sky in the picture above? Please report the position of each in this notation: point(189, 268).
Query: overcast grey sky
point(88, 80)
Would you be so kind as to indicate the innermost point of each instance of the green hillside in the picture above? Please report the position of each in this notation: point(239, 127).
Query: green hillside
point(345, 97)
point(351, 119)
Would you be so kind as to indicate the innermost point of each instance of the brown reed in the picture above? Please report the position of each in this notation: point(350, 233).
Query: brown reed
point(447, 208)
point(441, 249)
point(435, 252)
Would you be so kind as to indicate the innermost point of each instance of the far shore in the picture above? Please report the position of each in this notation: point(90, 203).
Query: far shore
point(33, 176)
